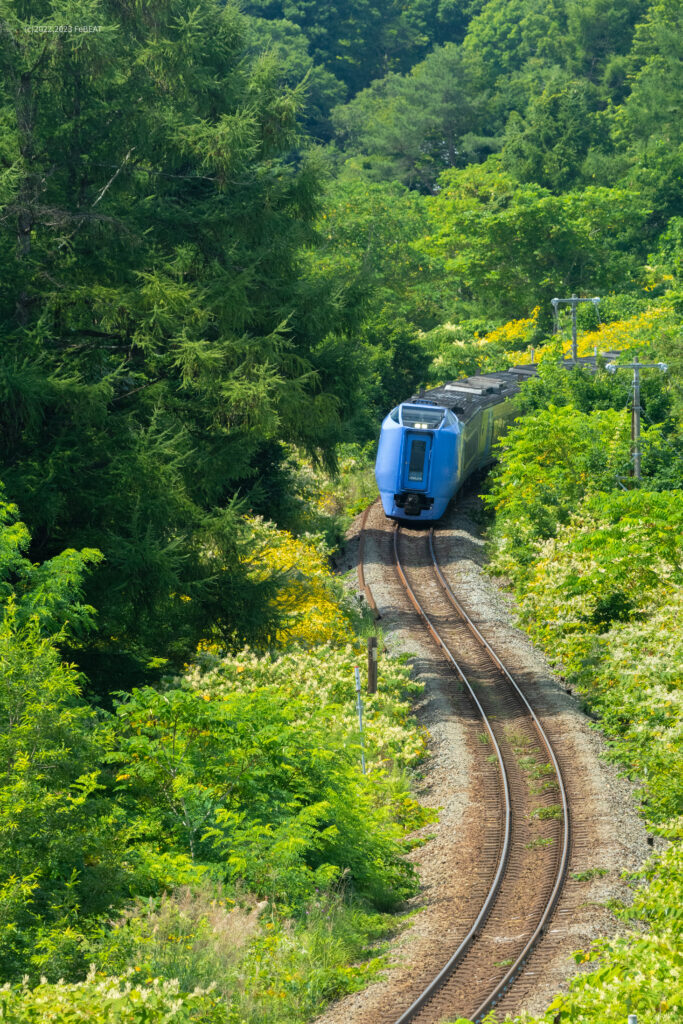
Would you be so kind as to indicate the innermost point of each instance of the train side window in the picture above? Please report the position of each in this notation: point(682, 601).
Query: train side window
point(394, 415)
point(451, 420)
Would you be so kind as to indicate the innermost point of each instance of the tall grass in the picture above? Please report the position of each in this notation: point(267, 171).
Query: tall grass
point(257, 966)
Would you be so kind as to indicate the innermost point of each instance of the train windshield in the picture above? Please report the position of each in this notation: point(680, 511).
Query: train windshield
point(423, 419)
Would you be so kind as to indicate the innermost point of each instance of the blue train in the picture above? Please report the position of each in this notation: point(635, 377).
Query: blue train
point(431, 443)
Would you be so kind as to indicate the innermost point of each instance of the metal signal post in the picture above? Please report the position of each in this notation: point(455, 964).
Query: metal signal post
point(573, 302)
point(635, 409)
point(372, 664)
point(359, 709)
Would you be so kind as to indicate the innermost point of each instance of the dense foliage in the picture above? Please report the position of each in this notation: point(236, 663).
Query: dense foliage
point(231, 237)
point(157, 345)
point(239, 780)
point(190, 286)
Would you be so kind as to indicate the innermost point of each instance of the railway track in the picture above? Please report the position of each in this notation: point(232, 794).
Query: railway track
point(525, 811)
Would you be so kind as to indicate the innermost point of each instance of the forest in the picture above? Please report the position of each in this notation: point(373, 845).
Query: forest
point(232, 236)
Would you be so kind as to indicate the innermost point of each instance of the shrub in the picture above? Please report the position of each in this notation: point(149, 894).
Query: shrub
point(254, 764)
point(61, 842)
point(600, 588)
point(105, 1000)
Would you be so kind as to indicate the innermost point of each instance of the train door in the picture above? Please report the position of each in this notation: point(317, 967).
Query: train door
point(416, 461)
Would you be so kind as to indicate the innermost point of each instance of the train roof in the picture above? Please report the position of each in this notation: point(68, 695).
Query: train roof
point(466, 396)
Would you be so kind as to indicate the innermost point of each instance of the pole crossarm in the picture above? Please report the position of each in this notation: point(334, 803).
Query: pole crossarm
point(613, 367)
point(572, 301)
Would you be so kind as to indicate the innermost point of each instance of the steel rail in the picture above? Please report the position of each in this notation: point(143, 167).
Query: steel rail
point(436, 982)
point(519, 963)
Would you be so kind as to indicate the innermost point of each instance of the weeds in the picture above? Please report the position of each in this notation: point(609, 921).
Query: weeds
point(258, 966)
point(553, 811)
point(200, 938)
point(534, 769)
point(519, 741)
point(544, 787)
point(589, 874)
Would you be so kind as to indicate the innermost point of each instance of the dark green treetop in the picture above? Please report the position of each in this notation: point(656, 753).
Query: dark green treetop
point(155, 202)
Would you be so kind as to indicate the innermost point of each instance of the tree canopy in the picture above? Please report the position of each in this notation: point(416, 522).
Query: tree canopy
point(156, 353)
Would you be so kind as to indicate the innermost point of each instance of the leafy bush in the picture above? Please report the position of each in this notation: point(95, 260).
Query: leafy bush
point(604, 599)
point(61, 847)
point(254, 763)
point(638, 971)
point(549, 461)
point(102, 1000)
point(311, 606)
point(244, 774)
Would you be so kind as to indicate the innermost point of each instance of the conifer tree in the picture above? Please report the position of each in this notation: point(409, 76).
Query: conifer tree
point(155, 197)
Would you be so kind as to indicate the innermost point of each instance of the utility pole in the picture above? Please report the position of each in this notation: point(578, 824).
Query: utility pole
point(573, 302)
point(635, 407)
point(359, 709)
point(372, 664)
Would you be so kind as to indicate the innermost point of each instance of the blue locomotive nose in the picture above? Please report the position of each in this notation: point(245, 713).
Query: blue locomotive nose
point(416, 443)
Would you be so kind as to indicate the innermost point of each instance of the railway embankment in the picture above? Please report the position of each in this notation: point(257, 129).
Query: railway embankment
point(457, 864)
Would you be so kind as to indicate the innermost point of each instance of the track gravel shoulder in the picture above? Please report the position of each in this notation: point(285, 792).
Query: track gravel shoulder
point(608, 835)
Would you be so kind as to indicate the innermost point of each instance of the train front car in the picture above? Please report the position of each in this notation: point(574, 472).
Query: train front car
point(416, 468)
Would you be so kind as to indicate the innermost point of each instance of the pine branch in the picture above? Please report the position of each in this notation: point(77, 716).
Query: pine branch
point(114, 176)
point(142, 387)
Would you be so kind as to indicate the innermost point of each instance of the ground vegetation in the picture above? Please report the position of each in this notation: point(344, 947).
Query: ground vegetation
point(231, 240)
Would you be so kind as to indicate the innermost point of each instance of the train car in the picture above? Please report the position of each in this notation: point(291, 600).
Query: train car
point(430, 444)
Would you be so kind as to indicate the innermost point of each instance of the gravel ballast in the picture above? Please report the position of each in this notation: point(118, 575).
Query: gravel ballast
point(608, 835)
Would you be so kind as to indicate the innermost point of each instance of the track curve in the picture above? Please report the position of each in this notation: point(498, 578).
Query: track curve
point(527, 878)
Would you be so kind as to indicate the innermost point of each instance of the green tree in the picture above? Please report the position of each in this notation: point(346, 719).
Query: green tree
point(288, 44)
point(549, 461)
point(360, 40)
point(549, 145)
point(600, 32)
point(384, 288)
point(156, 349)
point(652, 107)
point(61, 840)
point(509, 35)
point(507, 248)
point(648, 124)
point(411, 127)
